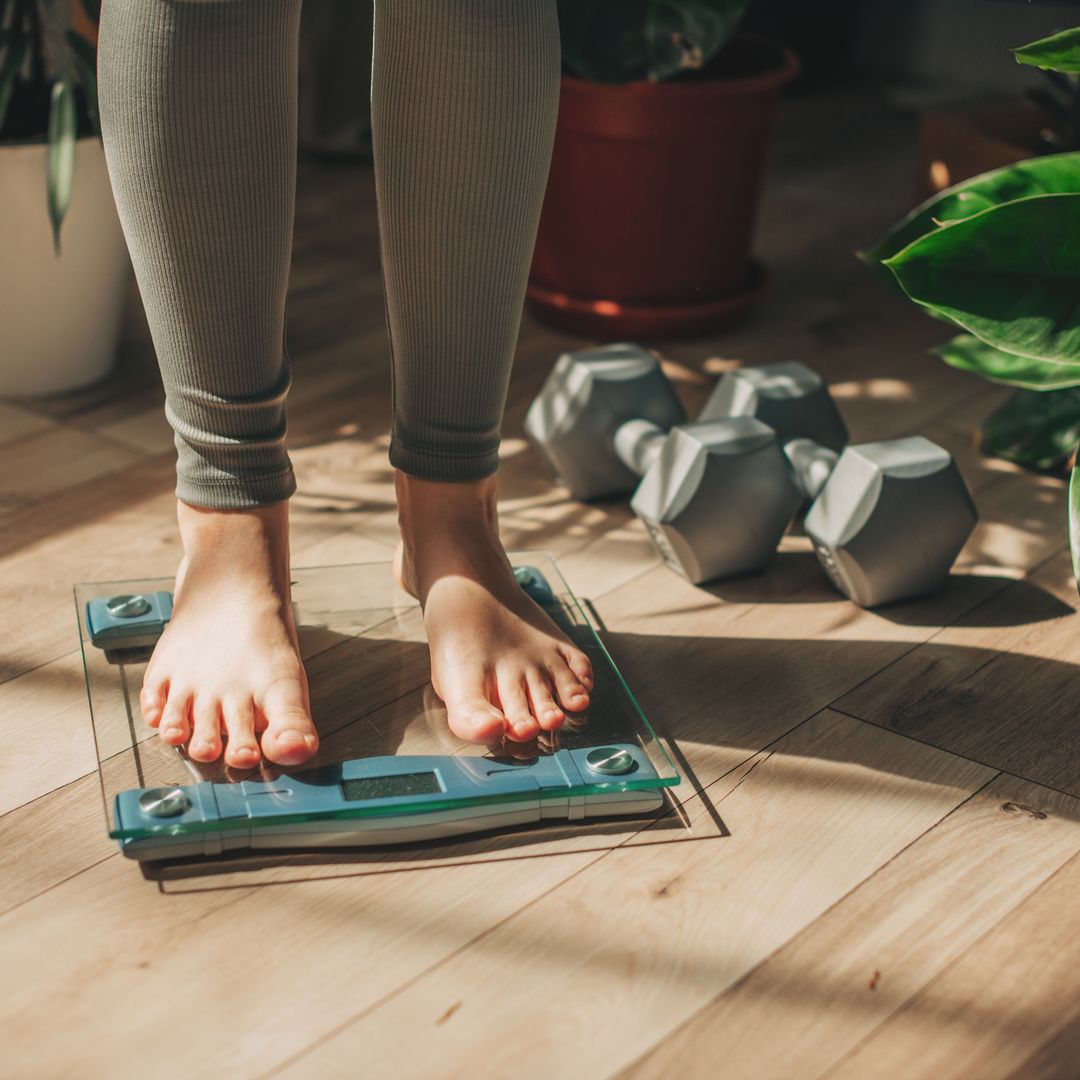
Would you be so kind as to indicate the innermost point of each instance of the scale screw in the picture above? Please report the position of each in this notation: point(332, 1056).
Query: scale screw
point(127, 607)
point(610, 760)
point(164, 802)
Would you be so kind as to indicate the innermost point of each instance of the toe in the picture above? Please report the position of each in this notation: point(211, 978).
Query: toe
point(242, 751)
point(175, 724)
point(520, 722)
point(571, 692)
point(470, 712)
point(206, 736)
point(542, 702)
point(152, 698)
point(290, 737)
point(580, 665)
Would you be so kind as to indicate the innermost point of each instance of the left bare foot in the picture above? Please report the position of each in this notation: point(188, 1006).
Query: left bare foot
point(497, 660)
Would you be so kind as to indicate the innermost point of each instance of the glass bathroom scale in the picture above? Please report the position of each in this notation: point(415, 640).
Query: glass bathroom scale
point(388, 770)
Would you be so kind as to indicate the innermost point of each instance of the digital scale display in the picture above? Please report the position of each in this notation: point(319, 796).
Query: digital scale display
point(391, 787)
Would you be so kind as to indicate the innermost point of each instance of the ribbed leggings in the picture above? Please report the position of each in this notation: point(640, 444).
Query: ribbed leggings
point(198, 105)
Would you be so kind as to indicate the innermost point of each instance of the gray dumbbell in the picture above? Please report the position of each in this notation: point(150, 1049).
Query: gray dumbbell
point(716, 495)
point(888, 518)
point(791, 398)
point(602, 421)
point(588, 396)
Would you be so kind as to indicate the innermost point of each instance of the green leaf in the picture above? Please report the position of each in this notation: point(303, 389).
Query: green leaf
point(1074, 524)
point(1008, 275)
point(1049, 175)
point(1038, 430)
point(14, 54)
point(1059, 52)
point(60, 169)
point(967, 353)
point(85, 58)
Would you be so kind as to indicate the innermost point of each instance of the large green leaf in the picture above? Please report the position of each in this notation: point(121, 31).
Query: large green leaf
point(968, 353)
point(1038, 430)
point(1074, 524)
point(60, 169)
point(619, 41)
point(1059, 52)
point(1009, 275)
point(1049, 175)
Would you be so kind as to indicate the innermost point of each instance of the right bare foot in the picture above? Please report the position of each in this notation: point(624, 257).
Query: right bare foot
point(228, 663)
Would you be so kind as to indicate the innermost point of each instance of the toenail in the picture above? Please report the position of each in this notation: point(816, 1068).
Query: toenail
point(172, 730)
point(296, 738)
point(202, 746)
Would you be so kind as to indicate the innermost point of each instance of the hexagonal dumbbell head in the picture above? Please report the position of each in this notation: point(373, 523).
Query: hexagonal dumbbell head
point(587, 396)
point(891, 520)
point(717, 498)
point(791, 398)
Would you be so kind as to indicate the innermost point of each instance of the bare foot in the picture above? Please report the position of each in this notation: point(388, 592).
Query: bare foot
point(228, 663)
point(497, 660)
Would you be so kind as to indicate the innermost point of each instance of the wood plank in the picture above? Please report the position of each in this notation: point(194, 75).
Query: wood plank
point(146, 431)
point(818, 813)
point(51, 741)
point(17, 422)
point(54, 460)
point(813, 1001)
point(239, 959)
point(50, 840)
point(1057, 1057)
point(1010, 663)
point(1012, 997)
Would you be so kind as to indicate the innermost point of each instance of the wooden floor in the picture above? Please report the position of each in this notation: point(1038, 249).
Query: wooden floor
point(877, 864)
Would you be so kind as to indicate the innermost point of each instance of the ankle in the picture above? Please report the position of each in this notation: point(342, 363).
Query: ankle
point(427, 504)
point(236, 539)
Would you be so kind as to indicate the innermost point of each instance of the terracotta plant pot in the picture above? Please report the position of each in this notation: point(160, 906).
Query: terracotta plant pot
point(652, 197)
point(957, 144)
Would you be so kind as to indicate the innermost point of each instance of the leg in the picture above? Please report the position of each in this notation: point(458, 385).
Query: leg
point(464, 102)
point(198, 103)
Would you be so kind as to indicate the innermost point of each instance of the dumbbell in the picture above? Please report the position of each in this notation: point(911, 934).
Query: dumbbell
point(602, 419)
point(888, 519)
point(586, 398)
point(717, 495)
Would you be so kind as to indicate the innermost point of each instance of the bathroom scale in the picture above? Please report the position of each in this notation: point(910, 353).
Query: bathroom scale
point(388, 770)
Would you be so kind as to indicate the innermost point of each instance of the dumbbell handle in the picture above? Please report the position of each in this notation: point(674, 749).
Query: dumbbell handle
point(638, 443)
point(811, 463)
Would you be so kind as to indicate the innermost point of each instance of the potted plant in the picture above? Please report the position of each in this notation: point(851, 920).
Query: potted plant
point(998, 256)
point(64, 267)
point(664, 119)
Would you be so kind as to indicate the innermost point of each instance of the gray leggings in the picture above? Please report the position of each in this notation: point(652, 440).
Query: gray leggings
point(198, 116)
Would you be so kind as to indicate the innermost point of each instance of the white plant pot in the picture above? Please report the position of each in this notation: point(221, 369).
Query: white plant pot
point(60, 314)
